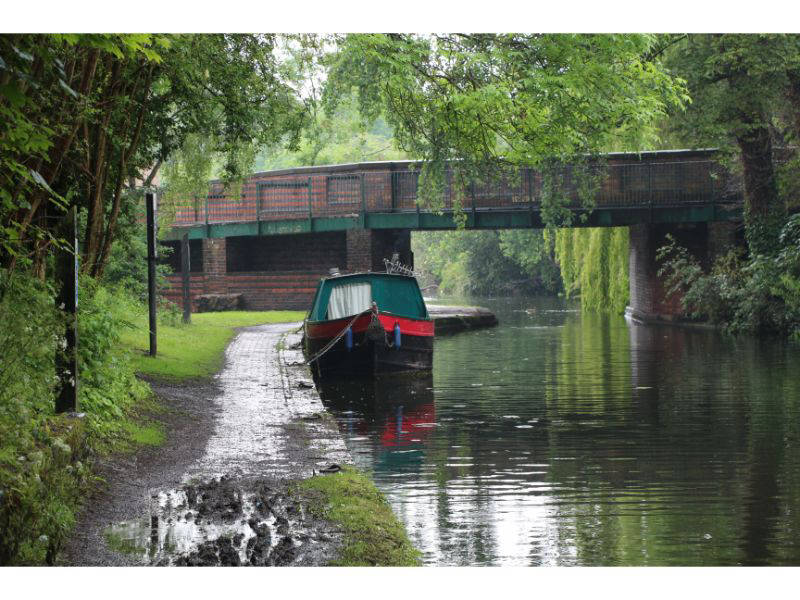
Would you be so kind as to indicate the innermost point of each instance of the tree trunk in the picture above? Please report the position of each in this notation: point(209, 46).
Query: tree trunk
point(794, 99)
point(99, 172)
point(764, 210)
point(149, 181)
point(61, 146)
point(125, 155)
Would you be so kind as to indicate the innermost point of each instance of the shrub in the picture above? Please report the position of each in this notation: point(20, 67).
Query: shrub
point(34, 508)
point(43, 470)
point(760, 295)
point(108, 384)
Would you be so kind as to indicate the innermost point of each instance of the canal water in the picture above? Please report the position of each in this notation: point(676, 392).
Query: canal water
point(561, 438)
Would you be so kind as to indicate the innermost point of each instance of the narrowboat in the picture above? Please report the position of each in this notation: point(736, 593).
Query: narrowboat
point(368, 323)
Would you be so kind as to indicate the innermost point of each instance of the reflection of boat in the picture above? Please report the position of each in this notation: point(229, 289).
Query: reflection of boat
point(408, 425)
point(368, 323)
point(400, 406)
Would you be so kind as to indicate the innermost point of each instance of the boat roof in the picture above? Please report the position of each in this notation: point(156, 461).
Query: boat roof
point(367, 273)
point(394, 293)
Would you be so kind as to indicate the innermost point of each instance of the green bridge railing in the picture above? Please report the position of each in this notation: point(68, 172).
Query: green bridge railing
point(651, 180)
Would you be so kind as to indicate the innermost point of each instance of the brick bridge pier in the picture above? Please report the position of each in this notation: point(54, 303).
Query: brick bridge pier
point(649, 299)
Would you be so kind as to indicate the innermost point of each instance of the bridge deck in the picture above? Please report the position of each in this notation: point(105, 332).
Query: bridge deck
point(667, 186)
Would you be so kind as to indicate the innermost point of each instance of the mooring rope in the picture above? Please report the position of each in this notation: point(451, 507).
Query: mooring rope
point(339, 336)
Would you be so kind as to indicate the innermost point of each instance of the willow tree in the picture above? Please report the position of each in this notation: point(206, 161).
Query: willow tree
point(594, 265)
point(480, 104)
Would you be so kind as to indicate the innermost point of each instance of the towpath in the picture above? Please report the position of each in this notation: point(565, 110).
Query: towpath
point(215, 493)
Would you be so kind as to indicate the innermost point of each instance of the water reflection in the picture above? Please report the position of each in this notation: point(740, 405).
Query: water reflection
point(561, 438)
point(390, 418)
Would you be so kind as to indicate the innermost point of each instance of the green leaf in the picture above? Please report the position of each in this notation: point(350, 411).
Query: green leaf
point(13, 94)
point(41, 181)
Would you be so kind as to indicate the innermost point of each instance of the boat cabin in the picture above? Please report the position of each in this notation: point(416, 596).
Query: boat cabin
point(348, 295)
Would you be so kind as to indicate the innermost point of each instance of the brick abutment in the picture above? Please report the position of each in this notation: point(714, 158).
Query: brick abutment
point(281, 271)
point(650, 298)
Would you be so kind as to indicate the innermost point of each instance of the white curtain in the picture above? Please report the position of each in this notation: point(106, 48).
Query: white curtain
point(349, 299)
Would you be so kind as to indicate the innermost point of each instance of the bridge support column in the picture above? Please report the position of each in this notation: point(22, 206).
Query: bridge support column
point(722, 236)
point(366, 248)
point(215, 265)
point(649, 300)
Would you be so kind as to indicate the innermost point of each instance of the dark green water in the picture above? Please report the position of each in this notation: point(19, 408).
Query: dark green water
point(566, 439)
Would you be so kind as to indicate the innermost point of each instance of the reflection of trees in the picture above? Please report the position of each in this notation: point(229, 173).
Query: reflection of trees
point(699, 450)
point(772, 457)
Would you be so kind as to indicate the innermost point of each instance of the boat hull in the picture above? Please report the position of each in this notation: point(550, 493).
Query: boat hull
point(373, 350)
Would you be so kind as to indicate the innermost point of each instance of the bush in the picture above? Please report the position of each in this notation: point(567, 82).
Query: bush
point(760, 295)
point(43, 470)
point(33, 514)
point(108, 383)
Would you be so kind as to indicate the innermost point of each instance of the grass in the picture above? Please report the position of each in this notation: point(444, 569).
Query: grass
point(194, 350)
point(120, 543)
point(372, 534)
point(149, 434)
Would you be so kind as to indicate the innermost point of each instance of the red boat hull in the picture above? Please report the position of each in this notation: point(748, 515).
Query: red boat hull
point(372, 349)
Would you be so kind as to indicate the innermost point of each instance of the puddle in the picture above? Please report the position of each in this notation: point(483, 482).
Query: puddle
point(223, 522)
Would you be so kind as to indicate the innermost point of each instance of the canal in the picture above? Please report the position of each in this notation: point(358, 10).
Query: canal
point(561, 438)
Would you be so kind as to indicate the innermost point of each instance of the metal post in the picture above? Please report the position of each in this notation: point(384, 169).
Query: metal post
point(150, 201)
point(363, 202)
point(393, 188)
point(416, 197)
point(208, 231)
point(310, 209)
point(650, 192)
point(711, 177)
point(529, 173)
point(258, 208)
point(67, 362)
point(186, 267)
point(472, 194)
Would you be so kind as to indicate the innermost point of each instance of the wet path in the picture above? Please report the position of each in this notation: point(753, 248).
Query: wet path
point(269, 422)
point(215, 493)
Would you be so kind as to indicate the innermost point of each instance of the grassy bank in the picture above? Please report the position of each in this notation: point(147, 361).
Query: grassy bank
point(194, 350)
point(372, 534)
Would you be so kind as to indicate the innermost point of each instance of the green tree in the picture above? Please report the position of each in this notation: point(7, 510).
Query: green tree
point(479, 103)
point(483, 263)
point(339, 137)
point(89, 116)
point(56, 90)
point(745, 100)
point(234, 96)
point(534, 252)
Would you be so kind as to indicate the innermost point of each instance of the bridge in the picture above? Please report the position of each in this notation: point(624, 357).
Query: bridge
point(288, 227)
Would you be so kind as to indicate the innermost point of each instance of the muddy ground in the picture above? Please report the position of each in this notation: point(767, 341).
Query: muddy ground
point(219, 491)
